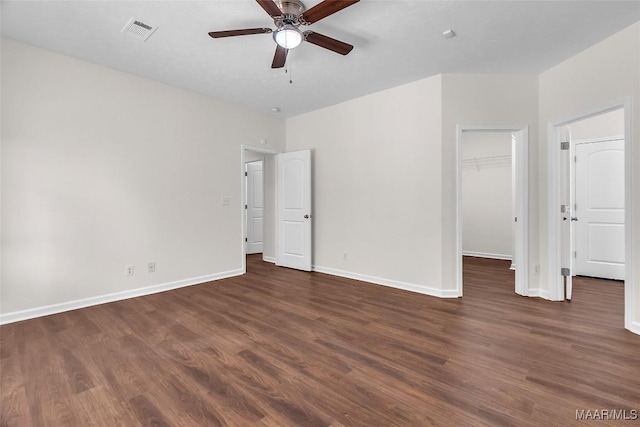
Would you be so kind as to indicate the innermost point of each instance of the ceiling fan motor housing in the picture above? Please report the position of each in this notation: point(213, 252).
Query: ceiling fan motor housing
point(291, 13)
point(291, 7)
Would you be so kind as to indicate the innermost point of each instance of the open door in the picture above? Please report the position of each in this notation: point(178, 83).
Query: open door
point(254, 207)
point(293, 223)
point(599, 209)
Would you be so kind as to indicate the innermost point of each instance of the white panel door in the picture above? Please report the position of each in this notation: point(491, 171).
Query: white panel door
point(255, 208)
point(599, 209)
point(294, 210)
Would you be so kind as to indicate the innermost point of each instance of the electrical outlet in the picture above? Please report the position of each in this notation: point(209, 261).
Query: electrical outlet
point(345, 256)
point(151, 267)
point(128, 270)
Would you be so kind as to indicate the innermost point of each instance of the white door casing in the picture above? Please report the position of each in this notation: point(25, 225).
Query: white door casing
point(566, 211)
point(255, 208)
point(599, 209)
point(293, 223)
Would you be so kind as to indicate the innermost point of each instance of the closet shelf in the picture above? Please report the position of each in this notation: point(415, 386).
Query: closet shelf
point(485, 162)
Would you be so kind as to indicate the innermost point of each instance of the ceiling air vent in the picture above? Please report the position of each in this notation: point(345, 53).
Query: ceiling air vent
point(138, 29)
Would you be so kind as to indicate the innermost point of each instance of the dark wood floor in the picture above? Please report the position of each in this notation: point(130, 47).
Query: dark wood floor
point(278, 347)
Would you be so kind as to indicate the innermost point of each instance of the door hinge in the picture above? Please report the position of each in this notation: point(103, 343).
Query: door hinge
point(246, 206)
point(246, 239)
point(565, 271)
point(246, 173)
point(564, 145)
point(563, 208)
point(575, 159)
point(515, 219)
point(575, 254)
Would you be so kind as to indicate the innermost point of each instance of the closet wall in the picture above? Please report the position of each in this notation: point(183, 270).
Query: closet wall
point(487, 195)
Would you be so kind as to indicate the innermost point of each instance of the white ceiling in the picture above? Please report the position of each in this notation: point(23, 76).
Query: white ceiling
point(396, 41)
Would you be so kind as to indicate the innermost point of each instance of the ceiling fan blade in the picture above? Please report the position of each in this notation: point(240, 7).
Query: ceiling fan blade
point(280, 57)
point(244, 32)
point(326, 8)
point(270, 7)
point(327, 42)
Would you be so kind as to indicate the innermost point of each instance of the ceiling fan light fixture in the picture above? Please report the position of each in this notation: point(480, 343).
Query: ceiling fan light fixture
point(288, 36)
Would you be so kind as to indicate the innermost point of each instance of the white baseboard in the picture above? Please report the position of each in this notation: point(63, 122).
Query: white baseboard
point(426, 290)
point(272, 260)
point(512, 267)
point(31, 313)
point(486, 255)
point(634, 327)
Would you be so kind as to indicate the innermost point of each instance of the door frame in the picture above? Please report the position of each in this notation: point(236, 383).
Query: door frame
point(243, 197)
point(554, 197)
point(521, 255)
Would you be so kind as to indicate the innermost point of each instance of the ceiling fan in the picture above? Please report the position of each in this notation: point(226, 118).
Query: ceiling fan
point(288, 16)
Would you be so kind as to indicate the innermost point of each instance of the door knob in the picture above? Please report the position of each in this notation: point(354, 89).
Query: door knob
point(306, 217)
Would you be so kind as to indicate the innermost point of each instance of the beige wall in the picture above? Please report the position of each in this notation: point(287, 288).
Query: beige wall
point(102, 169)
point(594, 79)
point(377, 184)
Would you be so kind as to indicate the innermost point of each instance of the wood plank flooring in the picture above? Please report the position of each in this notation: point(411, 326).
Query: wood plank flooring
point(278, 347)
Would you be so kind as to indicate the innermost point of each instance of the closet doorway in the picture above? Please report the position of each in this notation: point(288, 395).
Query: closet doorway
point(258, 203)
point(492, 198)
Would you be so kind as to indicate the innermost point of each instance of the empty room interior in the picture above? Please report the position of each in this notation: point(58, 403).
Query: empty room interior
point(319, 213)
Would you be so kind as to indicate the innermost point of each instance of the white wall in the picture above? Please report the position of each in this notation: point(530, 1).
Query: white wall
point(101, 169)
point(377, 185)
point(601, 126)
point(487, 202)
point(601, 75)
point(252, 156)
point(480, 99)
